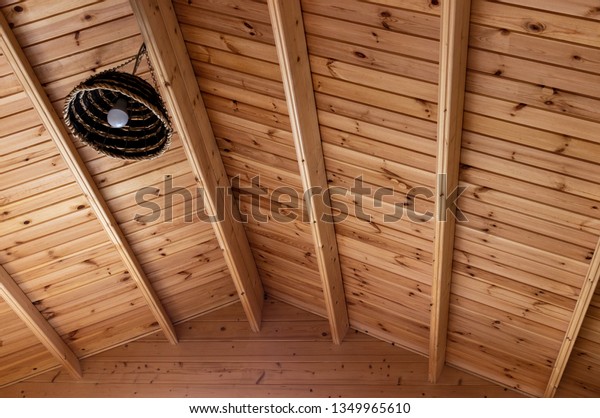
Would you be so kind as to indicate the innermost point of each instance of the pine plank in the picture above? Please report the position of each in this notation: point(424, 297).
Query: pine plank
point(53, 50)
point(361, 113)
point(247, 9)
point(396, 20)
point(63, 23)
point(34, 10)
point(536, 22)
point(395, 42)
point(540, 49)
point(215, 19)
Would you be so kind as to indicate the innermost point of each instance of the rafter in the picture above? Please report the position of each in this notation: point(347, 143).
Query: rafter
point(581, 307)
point(35, 321)
point(160, 29)
point(290, 40)
point(54, 125)
point(453, 67)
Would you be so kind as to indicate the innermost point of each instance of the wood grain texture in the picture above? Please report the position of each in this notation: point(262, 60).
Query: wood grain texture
point(61, 138)
point(292, 356)
point(167, 50)
point(579, 313)
point(288, 28)
point(33, 319)
point(453, 67)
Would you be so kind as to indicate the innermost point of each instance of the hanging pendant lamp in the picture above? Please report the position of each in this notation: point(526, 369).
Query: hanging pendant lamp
point(120, 114)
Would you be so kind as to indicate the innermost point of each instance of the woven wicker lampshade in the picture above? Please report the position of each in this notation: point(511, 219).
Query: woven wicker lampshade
point(146, 134)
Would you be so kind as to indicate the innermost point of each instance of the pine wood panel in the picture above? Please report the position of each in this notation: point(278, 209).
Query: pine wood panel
point(376, 101)
point(290, 357)
point(529, 163)
point(536, 22)
point(527, 102)
point(248, 111)
point(53, 244)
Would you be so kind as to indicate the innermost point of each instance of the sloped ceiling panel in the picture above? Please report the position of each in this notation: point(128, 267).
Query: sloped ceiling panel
point(375, 76)
point(529, 163)
point(234, 56)
point(52, 244)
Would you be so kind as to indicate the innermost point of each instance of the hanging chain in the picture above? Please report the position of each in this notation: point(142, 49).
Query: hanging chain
point(138, 58)
point(151, 70)
point(130, 60)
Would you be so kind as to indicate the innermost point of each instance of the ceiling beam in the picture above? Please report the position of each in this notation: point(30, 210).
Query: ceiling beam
point(454, 38)
point(166, 47)
point(581, 307)
point(290, 40)
point(57, 130)
point(35, 321)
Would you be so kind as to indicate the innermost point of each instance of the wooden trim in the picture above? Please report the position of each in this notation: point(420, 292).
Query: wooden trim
point(290, 40)
point(167, 50)
point(583, 302)
point(35, 321)
point(454, 40)
point(61, 138)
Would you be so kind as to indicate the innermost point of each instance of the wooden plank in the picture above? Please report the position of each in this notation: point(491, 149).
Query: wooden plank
point(336, 51)
point(385, 99)
point(367, 37)
point(290, 40)
point(174, 71)
point(539, 49)
point(33, 10)
point(380, 17)
point(453, 68)
point(578, 8)
point(58, 131)
point(537, 23)
point(374, 79)
point(80, 18)
point(254, 11)
point(33, 319)
point(585, 297)
point(240, 25)
point(155, 390)
point(362, 113)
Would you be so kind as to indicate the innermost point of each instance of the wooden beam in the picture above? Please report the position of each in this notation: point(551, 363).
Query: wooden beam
point(290, 40)
point(179, 87)
point(35, 321)
point(57, 130)
point(581, 307)
point(454, 38)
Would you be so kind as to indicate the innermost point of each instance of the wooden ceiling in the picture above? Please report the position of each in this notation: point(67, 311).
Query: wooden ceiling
point(373, 99)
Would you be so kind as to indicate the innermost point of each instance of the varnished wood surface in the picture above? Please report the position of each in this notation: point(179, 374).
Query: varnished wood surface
point(219, 356)
point(529, 162)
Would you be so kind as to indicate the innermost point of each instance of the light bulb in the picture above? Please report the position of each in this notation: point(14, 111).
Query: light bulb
point(117, 116)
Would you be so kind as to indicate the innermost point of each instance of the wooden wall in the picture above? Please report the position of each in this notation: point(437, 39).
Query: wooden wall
point(292, 356)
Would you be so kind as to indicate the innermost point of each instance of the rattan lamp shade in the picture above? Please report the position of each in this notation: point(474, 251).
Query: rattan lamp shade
point(148, 131)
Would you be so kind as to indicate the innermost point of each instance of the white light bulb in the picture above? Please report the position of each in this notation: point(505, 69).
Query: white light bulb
point(117, 116)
